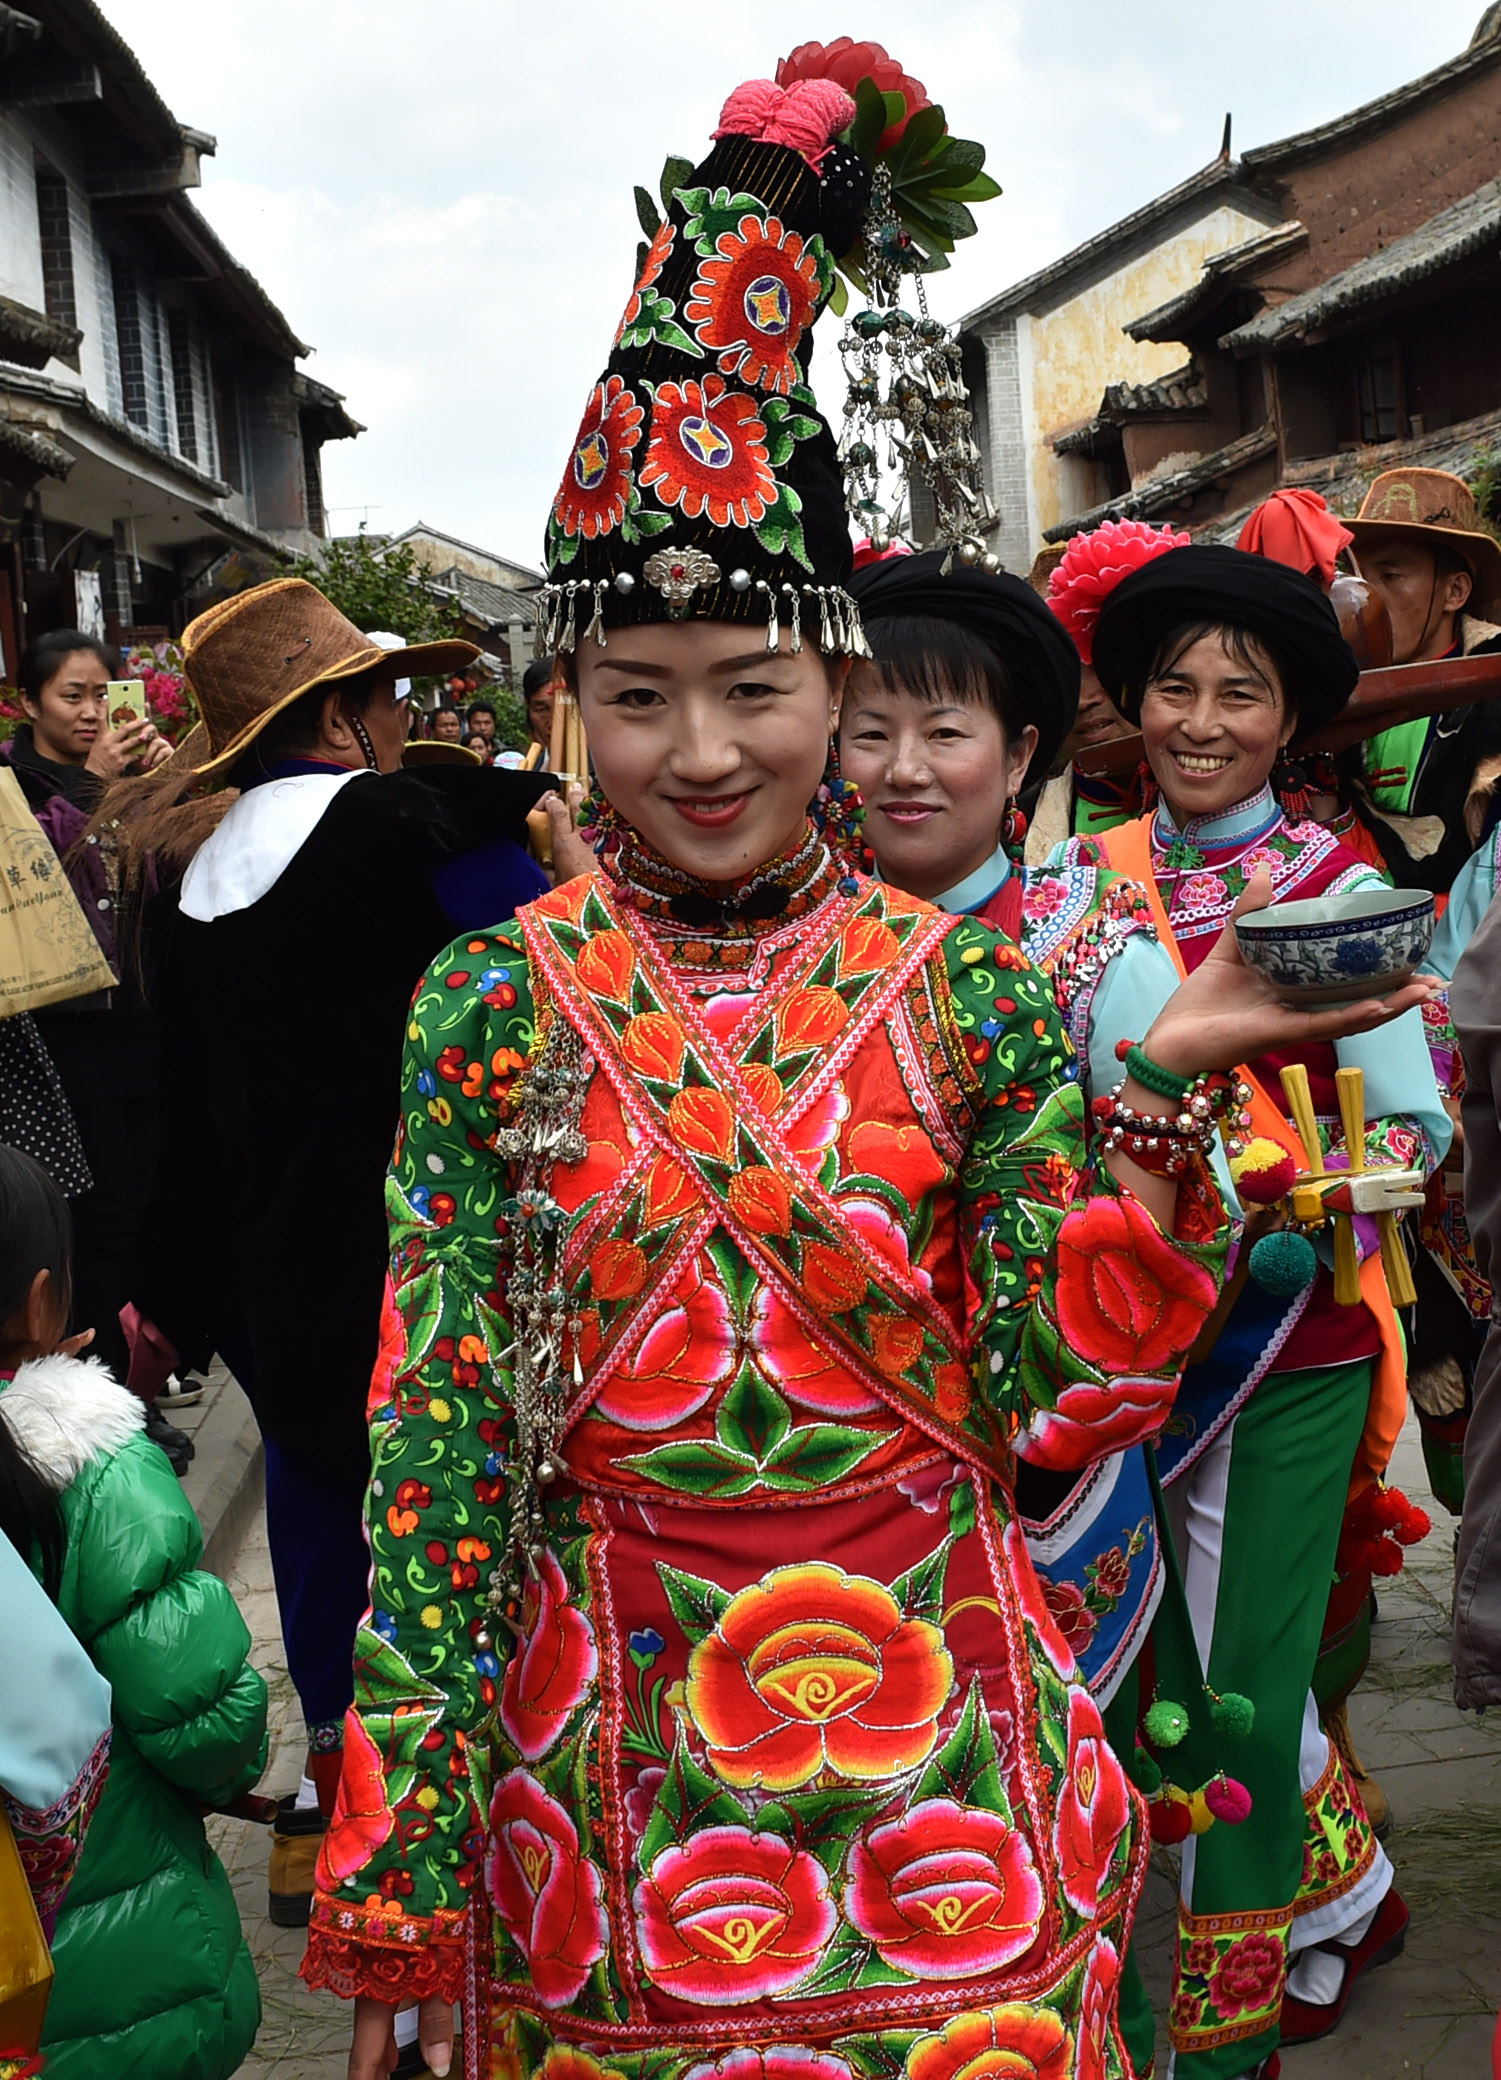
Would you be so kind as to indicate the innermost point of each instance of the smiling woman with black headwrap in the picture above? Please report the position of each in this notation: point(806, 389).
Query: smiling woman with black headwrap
point(1226, 660)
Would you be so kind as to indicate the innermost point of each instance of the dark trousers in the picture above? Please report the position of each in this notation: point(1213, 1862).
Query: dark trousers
point(315, 1527)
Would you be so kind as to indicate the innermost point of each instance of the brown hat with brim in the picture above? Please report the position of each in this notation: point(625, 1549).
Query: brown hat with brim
point(251, 657)
point(1431, 506)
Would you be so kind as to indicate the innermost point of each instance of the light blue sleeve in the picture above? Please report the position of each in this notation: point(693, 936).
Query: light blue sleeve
point(1133, 989)
point(54, 1704)
point(1469, 899)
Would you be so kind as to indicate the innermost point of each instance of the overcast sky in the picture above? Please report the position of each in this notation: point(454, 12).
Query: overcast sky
point(438, 194)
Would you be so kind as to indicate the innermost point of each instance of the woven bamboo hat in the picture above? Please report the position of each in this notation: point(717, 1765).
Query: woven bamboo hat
point(1433, 507)
point(252, 656)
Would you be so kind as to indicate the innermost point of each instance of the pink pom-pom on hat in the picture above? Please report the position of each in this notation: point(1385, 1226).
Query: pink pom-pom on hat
point(806, 117)
point(1094, 564)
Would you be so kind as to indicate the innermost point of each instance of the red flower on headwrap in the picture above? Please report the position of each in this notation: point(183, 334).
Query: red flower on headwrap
point(596, 484)
point(708, 454)
point(652, 266)
point(848, 63)
point(1094, 564)
point(755, 300)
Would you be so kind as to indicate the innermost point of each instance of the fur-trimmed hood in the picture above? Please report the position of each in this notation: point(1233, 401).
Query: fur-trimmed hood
point(66, 1412)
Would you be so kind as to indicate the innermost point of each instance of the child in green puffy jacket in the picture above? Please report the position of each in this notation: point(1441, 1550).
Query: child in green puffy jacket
point(154, 1980)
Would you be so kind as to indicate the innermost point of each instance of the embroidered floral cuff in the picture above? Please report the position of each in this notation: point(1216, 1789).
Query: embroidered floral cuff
point(379, 1950)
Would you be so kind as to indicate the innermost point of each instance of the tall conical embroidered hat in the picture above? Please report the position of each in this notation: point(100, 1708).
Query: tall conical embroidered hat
point(703, 480)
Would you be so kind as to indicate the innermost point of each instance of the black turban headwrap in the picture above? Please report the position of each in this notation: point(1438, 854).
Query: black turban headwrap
point(1031, 643)
point(1205, 583)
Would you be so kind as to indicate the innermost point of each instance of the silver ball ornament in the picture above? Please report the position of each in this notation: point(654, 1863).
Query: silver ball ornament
point(625, 583)
point(740, 581)
point(969, 553)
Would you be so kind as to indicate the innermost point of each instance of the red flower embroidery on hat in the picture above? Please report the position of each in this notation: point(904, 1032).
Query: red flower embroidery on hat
point(596, 484)
point(847, 63)
point(754, 302)
point(708, 454)
point(656, 258)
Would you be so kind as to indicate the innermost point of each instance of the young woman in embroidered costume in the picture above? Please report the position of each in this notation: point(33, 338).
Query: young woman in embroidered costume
point(971, 684)
point(1225, 657)
point(743, 1227)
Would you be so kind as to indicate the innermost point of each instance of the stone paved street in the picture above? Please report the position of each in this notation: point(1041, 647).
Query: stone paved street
point(1429, 2016)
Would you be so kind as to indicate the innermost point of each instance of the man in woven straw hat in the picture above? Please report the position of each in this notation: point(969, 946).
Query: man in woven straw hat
point(1420, 544)
point(286, 965)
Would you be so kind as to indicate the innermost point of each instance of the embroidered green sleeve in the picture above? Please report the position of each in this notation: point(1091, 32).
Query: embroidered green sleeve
point(1085, 1309)
point(396, 1875)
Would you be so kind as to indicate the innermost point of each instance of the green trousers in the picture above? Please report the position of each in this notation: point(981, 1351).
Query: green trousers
point(1258, 1521)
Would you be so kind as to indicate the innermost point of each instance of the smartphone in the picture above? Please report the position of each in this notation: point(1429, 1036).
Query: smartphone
point(127, 702)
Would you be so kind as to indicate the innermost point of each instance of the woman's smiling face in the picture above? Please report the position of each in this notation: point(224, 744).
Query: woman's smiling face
point(709, 745)
point(935, 777)
point(1213, 719)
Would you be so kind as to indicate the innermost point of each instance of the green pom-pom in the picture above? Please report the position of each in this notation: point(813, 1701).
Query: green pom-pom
point(1283, 1264)
point(1165, 1724)
point(1144, 1773)
point(1233, 1715)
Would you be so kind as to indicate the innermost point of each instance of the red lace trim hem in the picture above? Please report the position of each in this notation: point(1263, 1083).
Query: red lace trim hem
point(377, 1950)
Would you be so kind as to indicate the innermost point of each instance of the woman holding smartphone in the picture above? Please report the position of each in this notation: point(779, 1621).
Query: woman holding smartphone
point(104, 1045)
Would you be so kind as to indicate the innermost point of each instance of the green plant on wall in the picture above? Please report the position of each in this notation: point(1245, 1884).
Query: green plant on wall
point(384, 588)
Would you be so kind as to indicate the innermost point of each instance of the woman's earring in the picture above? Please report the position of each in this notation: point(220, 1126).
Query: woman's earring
point(1290, 785)
point(1013, 829)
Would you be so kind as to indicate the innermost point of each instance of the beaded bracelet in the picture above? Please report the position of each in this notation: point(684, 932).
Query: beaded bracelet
point(1164, 1143)
point(1151, 1075)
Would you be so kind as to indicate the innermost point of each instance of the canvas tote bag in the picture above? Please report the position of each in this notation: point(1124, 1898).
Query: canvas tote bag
point(48, 951)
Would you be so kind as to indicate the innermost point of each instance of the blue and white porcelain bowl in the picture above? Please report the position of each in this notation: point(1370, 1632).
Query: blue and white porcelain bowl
point(1337, 949)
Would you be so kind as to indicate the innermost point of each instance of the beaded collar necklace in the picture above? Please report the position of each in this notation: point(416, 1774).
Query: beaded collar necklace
point(731, 916)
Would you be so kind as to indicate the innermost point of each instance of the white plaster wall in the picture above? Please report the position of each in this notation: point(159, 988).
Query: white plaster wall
point(1078, 347)
point(20, 236)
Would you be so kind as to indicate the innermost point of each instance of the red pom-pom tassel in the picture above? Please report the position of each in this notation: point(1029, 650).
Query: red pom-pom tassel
point(1170, 1820)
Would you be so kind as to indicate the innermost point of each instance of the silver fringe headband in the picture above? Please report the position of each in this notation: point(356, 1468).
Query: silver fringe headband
point(680, 573)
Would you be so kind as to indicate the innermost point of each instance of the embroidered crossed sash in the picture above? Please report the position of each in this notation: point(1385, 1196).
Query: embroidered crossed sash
point(717, 1124)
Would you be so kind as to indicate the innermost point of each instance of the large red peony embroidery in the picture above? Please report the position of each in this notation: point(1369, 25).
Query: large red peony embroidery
point(1091, 1421)
point(1015, 2042)
point(945, 1892)
point(707, 454)
point(1128, 1299)
point(790, 1358)
point(688, 1351)
point(1093, 1809)
point(545, 1891)
point(815, 1669)
point(1031, 1595)
point(362, 1818)
point(731, 1916)
point(776, 2062)
point(1096, 2006)
point(755, 300)
point(554, 1663)
point(596, 486)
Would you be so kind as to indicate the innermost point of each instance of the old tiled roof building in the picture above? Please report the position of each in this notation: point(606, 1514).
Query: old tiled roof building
point(159, 444)
point(1344, 319)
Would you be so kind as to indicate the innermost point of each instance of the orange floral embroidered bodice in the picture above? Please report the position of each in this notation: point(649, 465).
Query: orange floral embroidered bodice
point(740, 1237)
